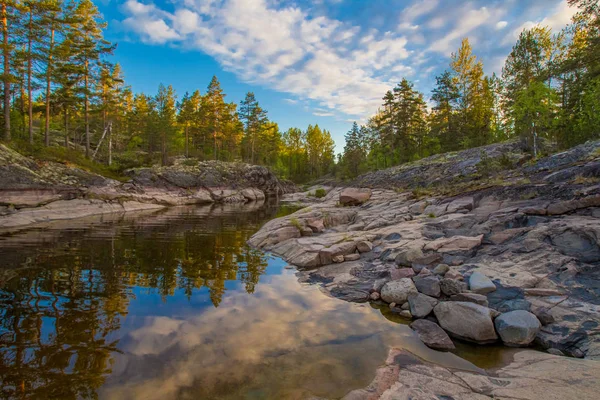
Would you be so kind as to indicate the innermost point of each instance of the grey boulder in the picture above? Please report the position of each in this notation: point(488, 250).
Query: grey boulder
point(517, 328)
point(466, 321)
point(432, 335)
point(421, 305)
point(479, 283)
point(428, 284)
point(398, 291)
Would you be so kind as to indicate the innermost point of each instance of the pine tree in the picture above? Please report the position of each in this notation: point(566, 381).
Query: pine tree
point(215, 110)
point(354, 151)
point(8, 16)
point(253, 117)
point(87, 38)
point(166, 113)
point(443, 120)
point(524, 74)
point(468, 75)
point(66, 76)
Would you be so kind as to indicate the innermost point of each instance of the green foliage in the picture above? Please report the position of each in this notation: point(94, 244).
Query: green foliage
point(431, 215)
point(488, 166)
point(420, 192)
point(320, 193)
point(295, 223)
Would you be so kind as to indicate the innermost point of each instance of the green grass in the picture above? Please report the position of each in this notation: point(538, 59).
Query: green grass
point(295, 223)
point(69, 157)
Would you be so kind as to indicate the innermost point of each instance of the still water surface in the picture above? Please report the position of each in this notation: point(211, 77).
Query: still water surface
point(175, 305)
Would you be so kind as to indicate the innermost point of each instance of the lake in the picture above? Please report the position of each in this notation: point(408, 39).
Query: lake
point(175, 305)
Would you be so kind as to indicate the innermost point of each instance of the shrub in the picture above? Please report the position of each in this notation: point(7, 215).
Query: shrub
point(294, 222)
point(487, 166)
point(319, 193)
point(190, 162)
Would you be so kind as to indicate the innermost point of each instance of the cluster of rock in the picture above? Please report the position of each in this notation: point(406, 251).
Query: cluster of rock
point(461, 309)
point(33, 191)
point(514, 263)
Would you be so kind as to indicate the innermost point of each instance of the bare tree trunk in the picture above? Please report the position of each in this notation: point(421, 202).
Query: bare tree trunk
point(215, 144)
point(66, 128)
point(86, 112)
point(187, 153)
point(6, 77)
point(48, 81)
point(252, 153)
point(29, 73)
point(164, 148)
point(22, 87)
point(110, 144)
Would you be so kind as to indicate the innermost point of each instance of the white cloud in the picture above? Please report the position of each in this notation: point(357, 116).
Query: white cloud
point(561, 16)
point(315, 58)
point(470, 20)
point(418, 9)
point(338, 64)
point(323, 114)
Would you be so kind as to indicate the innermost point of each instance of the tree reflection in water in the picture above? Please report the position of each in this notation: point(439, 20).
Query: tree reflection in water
point(64, 292)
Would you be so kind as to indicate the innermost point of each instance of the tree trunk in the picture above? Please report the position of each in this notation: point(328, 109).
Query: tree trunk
point(23, 113)
point(48, 81)
point(86, 112)
point(187, 153)
point(66, 128)
point(110, 145)
point(252, 151)
point(29, 73)
point(164, 148)
point(215, 144)
point(6, 77)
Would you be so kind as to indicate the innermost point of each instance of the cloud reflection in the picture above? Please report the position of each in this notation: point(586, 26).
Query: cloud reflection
point(284, 341)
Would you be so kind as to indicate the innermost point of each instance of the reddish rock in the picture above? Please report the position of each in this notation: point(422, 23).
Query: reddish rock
point(354, 196)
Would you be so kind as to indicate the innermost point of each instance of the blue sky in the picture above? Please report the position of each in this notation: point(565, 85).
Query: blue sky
point(322, 61)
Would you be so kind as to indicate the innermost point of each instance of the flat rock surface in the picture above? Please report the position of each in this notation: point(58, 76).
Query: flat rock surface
point(531, 375)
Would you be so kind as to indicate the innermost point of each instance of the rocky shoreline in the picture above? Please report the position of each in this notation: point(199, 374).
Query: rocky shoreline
point(34, 192)
point(515, 258)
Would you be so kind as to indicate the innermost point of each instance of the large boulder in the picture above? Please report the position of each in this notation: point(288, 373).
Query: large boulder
point(432, 335)
point(428, 284)
point(517, 328)
point(466, 321)
point(354, 196)
point(481, 284)
point(398, 291)
point(421, 305)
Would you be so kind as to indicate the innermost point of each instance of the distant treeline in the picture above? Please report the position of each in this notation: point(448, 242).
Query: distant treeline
point(549, 88)
point(60, 88)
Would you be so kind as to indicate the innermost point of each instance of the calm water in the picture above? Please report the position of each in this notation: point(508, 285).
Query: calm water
point(175, 305)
